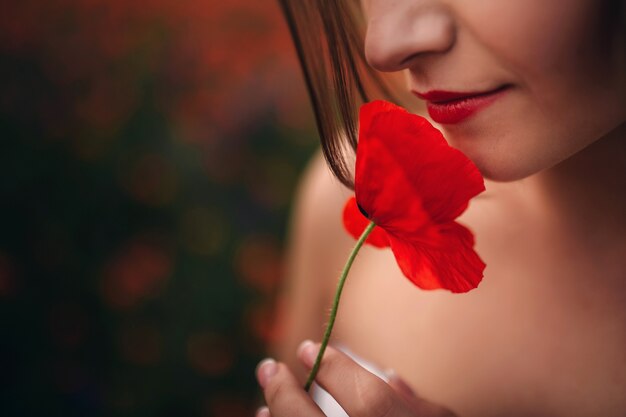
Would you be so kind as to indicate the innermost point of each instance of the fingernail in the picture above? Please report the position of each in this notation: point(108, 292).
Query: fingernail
point(390, 374)
point(307, 352)
point(265, 370)
point(263, 412)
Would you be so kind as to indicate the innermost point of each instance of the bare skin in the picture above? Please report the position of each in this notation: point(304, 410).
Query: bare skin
point(543, 335)
point(545, 332)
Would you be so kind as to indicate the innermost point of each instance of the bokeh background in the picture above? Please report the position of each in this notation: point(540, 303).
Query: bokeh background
point(149, 151)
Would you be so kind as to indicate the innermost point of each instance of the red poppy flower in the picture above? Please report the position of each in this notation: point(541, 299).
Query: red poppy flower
point(413, 186)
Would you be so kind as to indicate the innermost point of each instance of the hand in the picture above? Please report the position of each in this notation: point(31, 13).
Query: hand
point(358, 391)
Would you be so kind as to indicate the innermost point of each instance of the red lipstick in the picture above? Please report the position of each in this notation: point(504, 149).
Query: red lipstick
point(447, 107)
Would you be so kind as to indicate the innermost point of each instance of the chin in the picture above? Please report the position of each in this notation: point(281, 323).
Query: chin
point(504, 157)
point(504, 175)
point(500, 174)
point(507, 168)
point(493, 154)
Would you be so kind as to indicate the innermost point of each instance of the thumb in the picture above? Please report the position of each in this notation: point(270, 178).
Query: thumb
point(418, 405)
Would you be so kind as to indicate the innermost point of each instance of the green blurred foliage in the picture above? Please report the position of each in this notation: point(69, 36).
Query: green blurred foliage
point(148, 155)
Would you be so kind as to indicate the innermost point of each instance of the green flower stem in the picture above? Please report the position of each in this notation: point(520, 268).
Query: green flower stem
point(333, 311)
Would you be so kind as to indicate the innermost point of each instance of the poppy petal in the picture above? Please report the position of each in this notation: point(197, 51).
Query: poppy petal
point(383, 190)
point(450, 264)
point(442, 178)
point(413, 185)
point(355, 223)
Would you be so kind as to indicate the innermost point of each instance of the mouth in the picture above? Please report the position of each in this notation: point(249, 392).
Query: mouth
point(448, 107)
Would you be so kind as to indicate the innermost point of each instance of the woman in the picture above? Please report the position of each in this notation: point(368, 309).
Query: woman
point(534, 92)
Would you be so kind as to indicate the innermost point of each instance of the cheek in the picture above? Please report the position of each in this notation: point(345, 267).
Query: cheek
point(569, 92)
point(535, 38)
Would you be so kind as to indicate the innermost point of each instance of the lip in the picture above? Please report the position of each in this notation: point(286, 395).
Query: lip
point(450, 107)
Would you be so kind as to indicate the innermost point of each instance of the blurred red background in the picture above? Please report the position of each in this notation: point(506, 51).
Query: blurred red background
point(149, 151)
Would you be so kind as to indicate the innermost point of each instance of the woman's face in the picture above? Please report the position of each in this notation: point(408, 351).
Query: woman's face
point(518, 85)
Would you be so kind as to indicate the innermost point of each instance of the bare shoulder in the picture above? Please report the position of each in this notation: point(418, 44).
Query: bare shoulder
point(318, 238)
point(319, 202)
point(317, 248)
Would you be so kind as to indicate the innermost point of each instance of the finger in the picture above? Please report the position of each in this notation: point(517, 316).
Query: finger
point(263, 412)
point(359, 392)
point(417, 405)
point(283, 393)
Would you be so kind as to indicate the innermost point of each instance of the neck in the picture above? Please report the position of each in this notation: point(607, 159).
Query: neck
point(586, 191)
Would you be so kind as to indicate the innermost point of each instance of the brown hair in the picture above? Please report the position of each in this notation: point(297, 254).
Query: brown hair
point(329, 42)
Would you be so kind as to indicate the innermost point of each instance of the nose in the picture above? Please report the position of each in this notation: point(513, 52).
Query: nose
point(400, 32)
